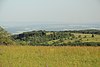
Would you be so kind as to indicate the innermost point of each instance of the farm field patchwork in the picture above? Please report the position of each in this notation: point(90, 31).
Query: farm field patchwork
point(51, 56)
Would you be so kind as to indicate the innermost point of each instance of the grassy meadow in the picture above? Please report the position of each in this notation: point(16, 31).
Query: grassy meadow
point(84, 38)
point(88, 38)
point(51, 56)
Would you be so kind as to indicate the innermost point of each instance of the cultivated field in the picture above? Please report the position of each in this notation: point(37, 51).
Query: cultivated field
point(38, 56)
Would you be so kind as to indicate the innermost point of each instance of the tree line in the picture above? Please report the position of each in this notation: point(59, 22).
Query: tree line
point(41, 37)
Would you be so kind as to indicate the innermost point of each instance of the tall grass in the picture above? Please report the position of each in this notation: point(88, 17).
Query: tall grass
point(42, 56)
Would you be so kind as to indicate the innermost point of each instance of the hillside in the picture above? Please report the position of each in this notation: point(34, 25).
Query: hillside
point(42, 37)
point(52, 38)
point(59, 38)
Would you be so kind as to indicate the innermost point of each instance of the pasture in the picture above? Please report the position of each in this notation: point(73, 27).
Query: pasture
point(84, 38)
point(51, 56)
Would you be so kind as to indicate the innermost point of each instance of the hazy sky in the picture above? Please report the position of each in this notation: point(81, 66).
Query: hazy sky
point(49, 11)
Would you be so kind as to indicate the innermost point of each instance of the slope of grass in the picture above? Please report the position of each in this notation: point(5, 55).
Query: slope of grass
point(33, 56)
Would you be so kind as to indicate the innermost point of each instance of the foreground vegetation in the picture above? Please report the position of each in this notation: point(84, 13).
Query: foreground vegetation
point(42, 56)
point(5, 37)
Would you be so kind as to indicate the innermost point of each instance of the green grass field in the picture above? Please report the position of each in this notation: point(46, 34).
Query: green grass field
point(39, 56)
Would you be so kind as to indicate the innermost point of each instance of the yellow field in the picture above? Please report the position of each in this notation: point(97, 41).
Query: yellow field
point(33, 56)
point(88, 38)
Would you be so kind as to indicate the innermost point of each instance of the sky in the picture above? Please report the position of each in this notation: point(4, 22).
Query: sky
point(23, 12)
